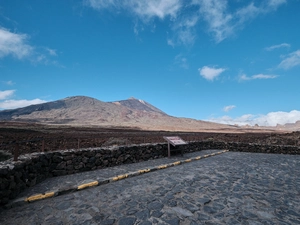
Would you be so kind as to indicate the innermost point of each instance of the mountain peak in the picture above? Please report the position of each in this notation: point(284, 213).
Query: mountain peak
point(137, 104)
point(132, 98)
point(135, 99)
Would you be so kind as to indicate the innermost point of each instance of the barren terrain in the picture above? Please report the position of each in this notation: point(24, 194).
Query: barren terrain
point(32, 137)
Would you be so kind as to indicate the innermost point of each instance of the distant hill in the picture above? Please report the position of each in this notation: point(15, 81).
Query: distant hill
point(290, 126)
point(86, 111)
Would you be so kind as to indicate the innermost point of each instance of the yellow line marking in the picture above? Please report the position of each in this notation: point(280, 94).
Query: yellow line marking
point(91, 184)
point(122, 176)
point(39, 196)
point(199, 157)
point(162, 166)
point(205, 156)
point(176, 163)
point(115, 178)
point(188, 160)
point(144, 171)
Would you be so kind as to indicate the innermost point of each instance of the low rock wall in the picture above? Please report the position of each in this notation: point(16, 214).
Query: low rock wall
point(16, 176)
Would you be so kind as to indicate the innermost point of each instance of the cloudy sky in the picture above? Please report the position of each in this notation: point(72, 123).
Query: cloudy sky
point(229, 61)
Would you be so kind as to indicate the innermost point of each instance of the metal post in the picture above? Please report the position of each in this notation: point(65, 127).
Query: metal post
point(169, 153)
point(43, 145)
point(16, 152)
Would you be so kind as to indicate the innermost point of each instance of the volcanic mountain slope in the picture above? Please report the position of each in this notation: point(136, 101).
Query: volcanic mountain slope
point(137, 104)
point(86, 111)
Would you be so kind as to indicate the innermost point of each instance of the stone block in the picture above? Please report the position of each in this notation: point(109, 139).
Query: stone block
point(57, 159)
point(61, 166)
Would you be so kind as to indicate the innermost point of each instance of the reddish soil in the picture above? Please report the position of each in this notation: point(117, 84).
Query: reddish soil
point(30, 136)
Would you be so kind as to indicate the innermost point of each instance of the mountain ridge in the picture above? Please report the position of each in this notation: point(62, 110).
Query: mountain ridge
point(87, 111)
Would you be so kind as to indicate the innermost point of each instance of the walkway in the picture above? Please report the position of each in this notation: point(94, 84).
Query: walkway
point(229, 188)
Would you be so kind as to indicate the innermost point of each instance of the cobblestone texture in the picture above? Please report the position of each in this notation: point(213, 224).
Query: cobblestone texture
point(231, 188)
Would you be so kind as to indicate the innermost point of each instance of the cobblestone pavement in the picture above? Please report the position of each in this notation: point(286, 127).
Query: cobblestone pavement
point(230, 188)
point(63, 182)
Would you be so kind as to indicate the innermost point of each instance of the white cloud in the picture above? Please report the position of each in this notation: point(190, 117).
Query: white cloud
point(184, 15)
point(148, 10)
point(145, 9)
point(222, 23)
point(214, 12)
point(14, 44)
point(9, 82)
point(99, 4)
point(6, 94)
point(263, 76)
point(181, 61)
point(51, 52)
point(283, 45)
point(291, 60)
point(270, 119)
point(247, 13)
point(210, 73)
point(12, 104)
point(186, 36)
point(171, 42)
point(228, 108)
point(154, 8)
point(184, 29)
point(243, 120)
point(8, 103)
point(257, 76)
point(275, 3)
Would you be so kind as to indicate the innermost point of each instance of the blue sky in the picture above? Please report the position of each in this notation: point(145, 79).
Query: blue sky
point(228, 61)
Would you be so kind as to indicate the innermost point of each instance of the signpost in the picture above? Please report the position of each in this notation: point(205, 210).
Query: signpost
point(175, 140)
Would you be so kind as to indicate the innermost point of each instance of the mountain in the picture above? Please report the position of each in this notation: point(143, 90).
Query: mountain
point(86, 111)
point(290, 126)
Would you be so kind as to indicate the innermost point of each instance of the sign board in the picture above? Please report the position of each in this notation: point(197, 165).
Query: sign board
point(175, 140)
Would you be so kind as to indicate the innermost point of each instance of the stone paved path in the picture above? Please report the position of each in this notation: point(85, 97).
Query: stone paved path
point(63, 182)
point(231, 188)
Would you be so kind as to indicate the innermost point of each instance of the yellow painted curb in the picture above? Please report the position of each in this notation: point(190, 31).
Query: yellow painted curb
point(144, 171)
point(176, 163)
point(162, 166)
point(39, 196)
point(91, 184)
point(120, 177)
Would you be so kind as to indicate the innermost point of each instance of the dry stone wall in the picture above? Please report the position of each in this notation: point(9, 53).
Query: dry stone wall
point(16, 176)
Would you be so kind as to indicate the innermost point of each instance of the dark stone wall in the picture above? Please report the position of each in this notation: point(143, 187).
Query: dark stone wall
point(16, 176)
